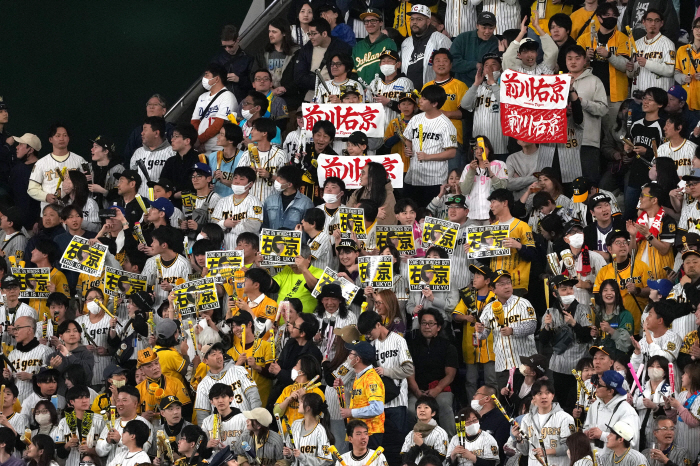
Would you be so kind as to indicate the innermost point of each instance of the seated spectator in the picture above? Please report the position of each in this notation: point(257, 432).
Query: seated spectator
point(155, 107)
point(176, 168)
point(223, 162)
point(336, 19)
point(301, 16)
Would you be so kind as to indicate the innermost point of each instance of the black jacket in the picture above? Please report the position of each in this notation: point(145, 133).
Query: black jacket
point(240, 64)
point(303, 74)
point(177, 169)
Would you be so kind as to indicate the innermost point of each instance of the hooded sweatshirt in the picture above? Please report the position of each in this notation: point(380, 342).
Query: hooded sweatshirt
point(79, 355)
point(594, 101)
point(557, 425)
point(601, 415)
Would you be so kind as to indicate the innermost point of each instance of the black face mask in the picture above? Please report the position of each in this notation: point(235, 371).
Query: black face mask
point(609, 23)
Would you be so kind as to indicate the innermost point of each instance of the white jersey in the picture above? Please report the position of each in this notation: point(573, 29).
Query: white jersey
point(314, 445)
point(518, 314)
point(682, 155)
point(8, 317)
point(688, 436)
point(601, 415)
point(483, 446)
point(321, 96)
point(662, 390)
point(153, 160)
point(176, 218)
point(332, 222)
point(99, 332)
point(126, 458)
point(248, 212)
point(460, 16)
point(565, 362)
point(271, 161)
point(554, 428)
point(660, 53)
point(322, 251)
point(351, 460)
point(631, 457)
point(391, 90)
point(667, 345)
point(438, 135)
point(210, 200)
point(690, 217)
point(294, 140)
point(437, 439)
point(477, 198)
point(179, 268)
point(112, 450)
point(245, 390)
point(229, 430)
point(28, 361)
point(91, 218)
point(483, 101)
point(579, 210)
point(393, 354)
point(44, 171)
point(221, 108)
point(682, 326)
point(569, 153)
point(97, 424)
point(507, 13)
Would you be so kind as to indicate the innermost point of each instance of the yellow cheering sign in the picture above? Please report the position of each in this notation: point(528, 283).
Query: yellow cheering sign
point(222, 264)
point(376, 271)
point(80, 256)
point(279, 247)
point(349, 289)
point(401, 236)
point(121, 283)
point(33, 283)
point(487, 241)
point(441, 233)
point(197, 295)
point(352, 220)
point(431, 273)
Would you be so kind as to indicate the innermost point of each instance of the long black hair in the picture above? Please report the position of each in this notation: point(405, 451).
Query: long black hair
point(45, 444)
point(618, 297)
point(80, 189)
point(666, 178)
point(286, 30)
point(319, 408)
point(342, 309)
point(376, 187)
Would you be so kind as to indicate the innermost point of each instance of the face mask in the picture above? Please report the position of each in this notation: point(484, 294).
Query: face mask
point(576, 241)
point(609, 23)
point(472, 429)
point(330, 198)
point(119, 383)
point(200, 236)
point(656, 373)
point(387, 70)
point(496, 75)
point(295, 374)
point(238, 189)
point(43, 419)
point(523, 369)
point(205, 84)
point(246, 114)
point(278, 186)
point(476, 406)
point(93, 308)
point(566, 300)
point(622, 373)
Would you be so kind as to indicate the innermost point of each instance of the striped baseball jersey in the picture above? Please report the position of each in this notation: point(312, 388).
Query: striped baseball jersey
point(460, 16)
point(261, 350)
point(630, 458)
point(519, 269)
point(566, 361)
point(687, 60)
point(13, 245)
point(97, 425)
point(153, 160)
point(563, 210)
point(483, 446)
point(321, 96)
point(519, 315)
point(686, 435)
point(293, 141)
point(313, 445)
point(580, 210)
point(28, 358)
point(634, 304)
point(245, 391)
point(351, 460)
point(667, 345)
point(30, 402)
point(437, 439)
point(460, 275)
point(91, 219)
point(553, 427)
point(8, 317)
point(569, 153)
point(596, 262)
point(455, 90)
point(682, 155)
point(392, 354)
point(477, 198)
point(103, 448)
point(322, 251)
point(391, 90)
point(438, 134)
point(690, 217)
point(660, 53)
point(127, 458)
point(168, 272)
point(677, 454)
point(686, 328)
point(482, 100)
point(474, 349)
point(368, 387)
point(229, 430)
point(99, 331)
point(247, 211)
point(271, 161)
point(44, 171)
point(332, 222)
point(666, 233)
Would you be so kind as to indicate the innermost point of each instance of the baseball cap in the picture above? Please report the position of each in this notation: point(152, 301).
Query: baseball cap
point(613, 235)
point(687, 239)
point(663, 286)
point(594, 349)
point(458, 199)
point(419, 10)
point(693, 175)
point(164, 183)
point(242, 318)
point(614, 380)
point(363, 349)
point(571, 224)
point(349, 333)
point(490, 56)
point(391, 54)
point(329, 7)
point(358, 137)
point(481, 268)
point(347, 243)
point(498, 274)
point(408, 96)
point(142, 300)
point(105, 142)
point(168, 401)
point(678, 92)
point(549, 173)
point(203, 168)
point(3, 105)
point(29, 139)
point(560, 280)
point(597, 199)
point(371, 12)
point(486, 18)
point(690, 252)
point(146, 356)
point(538, 362)
point(164, 205)
point(9, 281)
point(113, 369)
point(261, 415)
point(622, 429)
point(581, 186)
point(166, 328)
point(528, 44)
point(349, 90)
point(131, 175)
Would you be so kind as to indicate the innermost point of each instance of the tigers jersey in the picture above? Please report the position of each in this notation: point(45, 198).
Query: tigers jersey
point(507, 13)
point(483, 101)
point(617, 44)
point(631, 457)
point(392, 353)
point(569, 153)
point(651, 256)
point(19, 423)
point(641, 275)
point(460, 16)
point(292, 411)
point(13, 245)
point(438, 134)
point(352, 460)
point(226, 166)
point(322, 251)
point(582, 18)
point(263, 306)
point(85, 282)
point(554, 429)
point(685, 435)
point(368, 386)
point(171, 386)
point(321, 96)
point(685, 328)
point(475, 350)
point(519, 269)
point(563, 363)
point(31, 360)
point(99, 331)
point(580, 210)
point(483, 446)
point(690, 217)
point(682, 155)
point(127, 458)
point(688, 63)
point(332, 219)
point(179, 268)
point(437, 439)
point(262, 352)
point(229, 429)
point(112, 450)
point(60, 282)
point(247, 211)
point(455, 90)
point(269, 160)
point(667, 345)
point(96, 423)
point(153, 160)
point(660, 53)
point(44, 171)
point(391, 90)
point(171, 362)
point(518, 314)
point(245, 391)
point(460, 275)
point(313, 444)
point(8, 317)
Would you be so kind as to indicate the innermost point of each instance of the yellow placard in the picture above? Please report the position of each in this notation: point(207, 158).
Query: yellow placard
point(442, 233)
point(431, 273)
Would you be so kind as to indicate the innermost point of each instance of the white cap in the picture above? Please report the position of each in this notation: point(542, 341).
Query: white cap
point(419, 10)
point(31, 140)
point(623, 429)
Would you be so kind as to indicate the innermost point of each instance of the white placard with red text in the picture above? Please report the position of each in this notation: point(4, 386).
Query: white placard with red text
point(533, 107)
point(347, 118)
point(348, 168)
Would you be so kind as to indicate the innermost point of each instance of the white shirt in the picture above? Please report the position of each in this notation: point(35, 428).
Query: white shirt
point(222, 107)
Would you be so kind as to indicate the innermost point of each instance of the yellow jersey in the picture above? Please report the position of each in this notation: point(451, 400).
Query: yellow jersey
point(170, 385)
point(61, 283)
point(262, 352)
point(688, 63)
point(368, 387)
point(455, 90)
point(518, 268)
point(552, 10)
point(292, 411)
point(266, 308)
point(171, 362)
point(641, 275)
point(579, 19)
point(618, 44)
point(473, 349)
point(402, 21)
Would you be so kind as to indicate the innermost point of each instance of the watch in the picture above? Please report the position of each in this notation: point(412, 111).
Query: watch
point(650, 237)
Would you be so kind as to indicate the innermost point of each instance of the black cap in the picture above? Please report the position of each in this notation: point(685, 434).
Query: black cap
point(408, 96)
point(242, 318)
point(131, 175)
point(391, 54)
point(690, 239)
point(490, 56)
point(163, 183)
point(486, 18)
point(358, 137)
point(478, 267)
point(458, 199)
point(113, 369)
point(332, 290)
point(143, 301)
point(549, 172)
point(537, 362)
point(581, 186)
point(613, 235)
point(571, 224)
point(106, 143)
point(10, 281)
point(14, 214)
point(597, 199)
point(329, 7)
point(347, 243)
point(3, 105)
point(563, 280)
point(168, 401)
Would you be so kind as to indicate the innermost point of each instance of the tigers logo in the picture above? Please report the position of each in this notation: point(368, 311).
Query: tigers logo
point(530, 311)
point(408, 354)
point(671, 346)
point(315, 246)
point(257, 209)
point(671, 228)
point(342, 370)
point(572, 428)
point(528, 237)
point(453, 139)
point(373, 386)
point(494, 450)
point(326, 450)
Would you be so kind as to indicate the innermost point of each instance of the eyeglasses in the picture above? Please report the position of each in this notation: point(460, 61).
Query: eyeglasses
point(41, 411)
point(428, 324)
point(620, 243)
point(646, 195)
point(336, 64)
point(371, 21)
point(471, 422)
point(379, 302)
point(24, 326)
point(653, 20)
point(690, 184)
point(313, 33)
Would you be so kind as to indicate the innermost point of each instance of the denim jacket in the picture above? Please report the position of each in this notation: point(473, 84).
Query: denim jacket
point(276, 218)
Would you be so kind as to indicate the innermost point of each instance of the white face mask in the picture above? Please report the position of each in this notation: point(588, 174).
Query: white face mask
point(472, 429)
point(566, 300)
point(476, 406)
point(330, 198)
point(295, 374)
point(43, 419)
point(238, 189)
point(205, 84)
point(200, 236)
point(278, 186)
point(387, 70)
point(118, 383)
point(93, 308)
point(576, 241)
point(496, 75)
point(656, 373)
point(246, 114)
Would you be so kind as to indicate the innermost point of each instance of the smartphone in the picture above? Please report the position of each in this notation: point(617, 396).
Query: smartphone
point(668, 269)
point(107, 213)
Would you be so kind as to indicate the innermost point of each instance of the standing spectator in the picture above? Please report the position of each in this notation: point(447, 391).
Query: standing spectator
point(262, 83)
point(678, 149)
point(336, 19)
point(367, 52)
point(389, 87)
point(297, 280)
point(264, 135)
point(213, 107)
point(224, 162)
point(278, 57)
point(28, 147)
point(155, 107)
point(301, 23)
point(285, 208)
point(376, 186)
point(686, 74)
point(521, 54)
point(658, 69)
point(460, 17)
point(103, 183)
point(560, 30)
point(43, 180)
point(241, 211)
point(582, 17)
point(7, 151)
point(176, 168)
point(417, 50)
point(678, 106)
point(355, 10)
point(149, 159)
point(635, 17)
point(506, 13)
point(522, 166)
point(236, 63)
point(12, 239)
